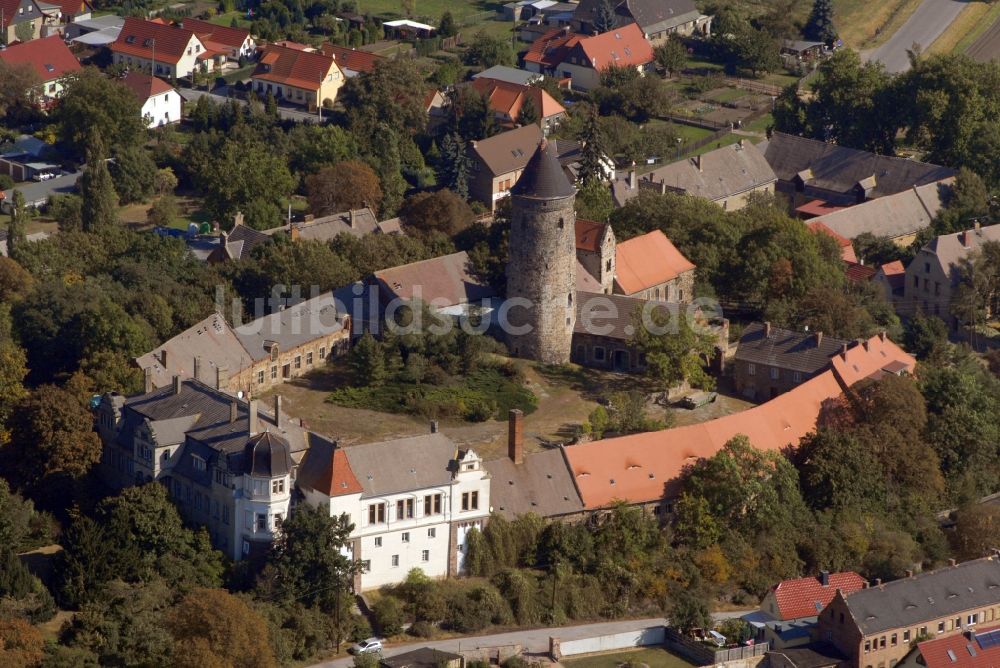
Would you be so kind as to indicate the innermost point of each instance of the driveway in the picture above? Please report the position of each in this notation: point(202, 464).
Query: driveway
point(923, 27)
point(534, 641)
point(219, 96)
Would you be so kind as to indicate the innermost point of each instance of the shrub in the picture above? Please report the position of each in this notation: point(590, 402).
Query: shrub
point(388, 612)
point(421, 629)
point(515, 662)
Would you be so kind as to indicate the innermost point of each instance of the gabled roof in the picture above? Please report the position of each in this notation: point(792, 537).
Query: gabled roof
point(508, 74)
point(643, 468)
point(302, 69)
point(357, 222)
point(212, 339)
point(926, 596)
point(894, 273)
point(551, 49)
point(978, 648)
point(238, 243)
point(847, 253)
point(144, 86)
point(446, 279)
point(646, 261)
point(859, 273)
point(291, 327)
point(622, 47)
point(612, 314)
point(508, 151)
point(806, 597)
point(325, 469)
point(351, 59)
point(507, 98)
point(140, 37)
point(799, 351)
point(896, 215)
point(72, 7)
point(49, 57)
point(404, 464)
point(651, 15)
point(589, 234)
point(715, 175)
point(951, 249)
point(839, 169)
point(542, 484)
point(234, 38)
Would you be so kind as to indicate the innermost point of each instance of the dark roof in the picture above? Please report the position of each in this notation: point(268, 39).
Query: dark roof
point(543, 485)
point(425, 657)
point(543, 177)
point(605, 315)
point(838, 169)
point(508, 151)
point(267, 455)
point(646, 13)
point(798, 351)
point(926, 596)
point(813, 655)
point(403, 464)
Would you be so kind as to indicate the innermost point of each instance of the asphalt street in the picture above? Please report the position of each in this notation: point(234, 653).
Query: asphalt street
point(534, 641)
point(923, 27)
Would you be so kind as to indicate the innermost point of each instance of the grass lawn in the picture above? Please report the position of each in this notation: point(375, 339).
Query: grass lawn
point(654, 658)
point(760, 125)
point(987, 19)
point(969, 19)
point(858, 21)
point(725, 95)
point(226, 19)
point(780, 79)
point(689, 133)
point(429, 11)
point(724, 140)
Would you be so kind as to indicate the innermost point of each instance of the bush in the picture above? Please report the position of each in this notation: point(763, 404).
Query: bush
point(421, 629)
point(388, 612)
point(6, 183)
point(515, 662)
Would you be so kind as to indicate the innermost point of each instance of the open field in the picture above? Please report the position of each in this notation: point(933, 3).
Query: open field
point(654, 658)
point(865, 24)
point(969, 21)
point(983, 43)
point(429, 11)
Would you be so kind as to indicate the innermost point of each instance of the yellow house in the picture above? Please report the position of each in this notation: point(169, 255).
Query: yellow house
point(306, 78)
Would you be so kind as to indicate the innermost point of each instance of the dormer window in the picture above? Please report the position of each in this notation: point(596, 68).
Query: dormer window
point(148, 42)
point(130, 39)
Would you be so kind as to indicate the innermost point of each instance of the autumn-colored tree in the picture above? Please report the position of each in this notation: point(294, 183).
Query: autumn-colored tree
point(21, 644)
point(211, 627)
point(15, 82)
point(976, 530)
point(441, 211)
point(344, 186)
point(15, 282)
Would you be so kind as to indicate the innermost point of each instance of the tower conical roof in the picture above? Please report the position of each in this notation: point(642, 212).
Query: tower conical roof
point(543, 176)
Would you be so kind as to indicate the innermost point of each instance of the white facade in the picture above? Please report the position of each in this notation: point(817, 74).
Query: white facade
point(185, 65)
point(162, 109)
point(423, 528)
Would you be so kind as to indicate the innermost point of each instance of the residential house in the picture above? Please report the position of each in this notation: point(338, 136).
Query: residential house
point(71, 11)
point(412, 502)
point(160, 49)
point(228, 466)
point(934, 274)
point(239, 242)
point(644, 469)
point(305, 78)
point(23, 20)
point(498, 162)
point(445, 283)
point(356, 222)
point(257, 355)
point(510, 75)
point(658, 19)
point(875, 627)
point(161, 104)
point(899, 216)
point(351, 61)
point(235, 44)
point(506, 101)
point(595, 251)
point(535, 482)
point(650, 267)
point(726, 176)
point(770, 361)
point(582, 59)
point(789, 610)
point(51, 61)
point(809, 169)
point(891, 278)
point(976, 648)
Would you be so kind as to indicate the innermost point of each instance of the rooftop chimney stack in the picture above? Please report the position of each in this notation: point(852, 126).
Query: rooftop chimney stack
point(277, 411)
point(177, 384)
point(977, 226)
point(163, 358)
point(878, 582)
point(909, 573)
point(824, 578)
point(952, 562)
point(843, 351)
point(147, 379)
point(963, 238)
point(767, 330)
point(220, 375)
point(197, 368)
point(819, 339)
point(253, 426)
point(515, 436)
point(353, 219)
point(234, 411)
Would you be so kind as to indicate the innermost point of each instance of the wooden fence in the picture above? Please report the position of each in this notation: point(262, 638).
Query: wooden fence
point(706, 655)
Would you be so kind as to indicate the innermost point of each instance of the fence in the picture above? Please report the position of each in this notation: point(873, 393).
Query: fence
point(653, 635)
point(755, 86)
point(705, 655)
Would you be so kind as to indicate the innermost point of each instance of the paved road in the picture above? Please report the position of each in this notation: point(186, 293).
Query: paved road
point(987, 47)
point(219, 96)
point(534, 641)
point(923, 27)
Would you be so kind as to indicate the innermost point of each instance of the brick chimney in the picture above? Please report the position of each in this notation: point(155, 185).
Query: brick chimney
point(147, 374)
point(220, 376)
point(952, 562)
point(963, 238)
point(353, 219)
point(843, 351)
point(293, 232)
point(197, 368)
point(163, 358)
point(234, 411)
point(882, 335)
point(909, 573)
point(254, 427)
point(177, 384)
point(515, 436)
point(277, 411)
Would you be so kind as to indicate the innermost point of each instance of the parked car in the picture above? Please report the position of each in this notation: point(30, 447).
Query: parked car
point(367, 646)
point(43, 176)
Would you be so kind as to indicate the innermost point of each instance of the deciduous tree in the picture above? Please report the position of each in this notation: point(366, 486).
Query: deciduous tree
point(213, 627)
point(487, 51)
point(99, 208)
point(344, 186)
point(92, 103)
point(441, 211)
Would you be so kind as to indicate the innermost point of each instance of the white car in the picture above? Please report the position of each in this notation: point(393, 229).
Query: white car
point(44, 176)
point(367, 646)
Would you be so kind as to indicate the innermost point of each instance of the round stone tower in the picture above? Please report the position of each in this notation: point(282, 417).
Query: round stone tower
point(542, 264)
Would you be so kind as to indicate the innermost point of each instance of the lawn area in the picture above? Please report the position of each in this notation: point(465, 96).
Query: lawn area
point(429, 11)
point(969, 19)
point(226, 19)
point(866, 24)
point(725, 95)
point(725, 140)
point(760, 125)
point(689, 133)
point(987, 19)
point(782, 79)
point(654, 658)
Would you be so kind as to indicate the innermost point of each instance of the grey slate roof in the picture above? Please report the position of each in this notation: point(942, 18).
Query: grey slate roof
point(508, 151)
point(651, 15)
point(785, 349)
point(543, 485)
point(721, 173)
point(949, 249)
point(508, 74)
point(268, 455)
point(212, 339)
point(357, 223)
point(926, 596)
point(543, 177)
point(839, 168)
point(292, 327)
point(609, 316)
point(403, 465)
point(892, 216)
point(241, 241)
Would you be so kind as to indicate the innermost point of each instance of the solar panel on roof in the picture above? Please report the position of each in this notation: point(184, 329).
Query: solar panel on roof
point(988, 639)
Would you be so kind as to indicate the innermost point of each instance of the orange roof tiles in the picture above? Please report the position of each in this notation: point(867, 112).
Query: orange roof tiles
point(49, 57)
point(232, 38)
point(643, 468)
point(508, 98)
point(351, 59)
point(589, 234)
point(646, 261)
point(332, 474)
point(847, 253)
point(982, 650)
point(818, 207)
point(550, 49)
point(302, 69)
point(623, 47)
point(893, 268)
point(147, 39)
point(806, 597)
point(145, 86)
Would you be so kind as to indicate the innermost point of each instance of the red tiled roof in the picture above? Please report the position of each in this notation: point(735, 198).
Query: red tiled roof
point(233, 38)
point(847, 253)
point(982, 650)
point(508, 98)
point(145, 86)
point(648, 260)
point(333, 475)
point(806, 597)
point(895, 273)
point(550, 49)
point(289, 44)
point(49, 57)
point(72, 7)
point(818, 207)
point(624, 47)
point(645, 467)
point(302, 69)
point(148, 38)
point(859, 273)
point(351, 59)
point(589, 234)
